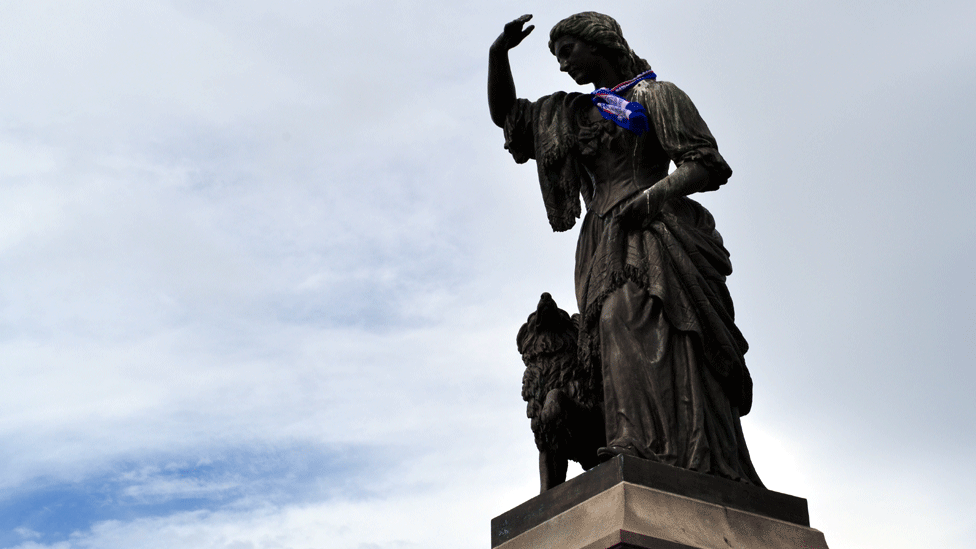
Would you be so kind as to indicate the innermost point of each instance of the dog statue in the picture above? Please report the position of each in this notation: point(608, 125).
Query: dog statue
point(565, 402)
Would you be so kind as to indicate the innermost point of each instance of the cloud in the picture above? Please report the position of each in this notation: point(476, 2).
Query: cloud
point(262, 266)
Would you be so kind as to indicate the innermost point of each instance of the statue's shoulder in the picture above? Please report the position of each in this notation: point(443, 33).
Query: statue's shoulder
point(653, 94)
point(656, 88)
point(561, 103)
point(562, 98)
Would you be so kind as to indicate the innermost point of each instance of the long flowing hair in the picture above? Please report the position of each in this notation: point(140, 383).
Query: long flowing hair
point(602, 32)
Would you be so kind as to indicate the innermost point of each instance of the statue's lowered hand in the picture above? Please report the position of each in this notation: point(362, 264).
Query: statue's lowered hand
point(640, 210)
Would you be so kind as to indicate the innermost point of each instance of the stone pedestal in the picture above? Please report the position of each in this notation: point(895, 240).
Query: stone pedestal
point(631, 503)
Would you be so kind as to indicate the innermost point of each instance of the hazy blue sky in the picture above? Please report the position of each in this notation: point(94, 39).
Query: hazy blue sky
point(262, 264)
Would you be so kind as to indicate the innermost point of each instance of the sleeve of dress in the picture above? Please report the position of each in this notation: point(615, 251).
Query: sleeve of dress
point(546, 131)
point(519, 131)
point(682, 132)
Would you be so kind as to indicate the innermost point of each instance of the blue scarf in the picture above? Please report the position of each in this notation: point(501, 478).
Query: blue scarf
point(629, 115)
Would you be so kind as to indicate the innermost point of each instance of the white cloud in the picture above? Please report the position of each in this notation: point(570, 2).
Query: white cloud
point(236, 225)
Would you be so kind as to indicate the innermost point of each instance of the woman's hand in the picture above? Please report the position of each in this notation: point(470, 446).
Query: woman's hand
point(640, 210)
point(689, 177)
point(501, 86)
point(513, 34)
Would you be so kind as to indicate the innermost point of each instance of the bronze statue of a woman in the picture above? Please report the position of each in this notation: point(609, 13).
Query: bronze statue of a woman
point(656, 315)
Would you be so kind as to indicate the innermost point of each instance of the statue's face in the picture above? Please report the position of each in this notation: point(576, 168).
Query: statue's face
point(579, 59)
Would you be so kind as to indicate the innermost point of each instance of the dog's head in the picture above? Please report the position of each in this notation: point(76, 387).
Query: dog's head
point(548, 330)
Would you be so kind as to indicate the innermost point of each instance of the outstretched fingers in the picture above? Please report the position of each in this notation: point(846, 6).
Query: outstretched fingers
point(514, 33)
point(521, 20)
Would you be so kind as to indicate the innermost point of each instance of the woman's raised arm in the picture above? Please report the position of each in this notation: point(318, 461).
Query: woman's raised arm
point(501, 85)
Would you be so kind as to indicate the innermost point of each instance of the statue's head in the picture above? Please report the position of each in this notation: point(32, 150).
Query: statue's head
point(603, 33)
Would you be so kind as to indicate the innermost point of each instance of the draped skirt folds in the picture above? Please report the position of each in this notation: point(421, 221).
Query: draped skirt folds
point(657, 320)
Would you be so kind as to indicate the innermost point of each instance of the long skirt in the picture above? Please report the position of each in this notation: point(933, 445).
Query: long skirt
point(659, 399)
point(658, 326)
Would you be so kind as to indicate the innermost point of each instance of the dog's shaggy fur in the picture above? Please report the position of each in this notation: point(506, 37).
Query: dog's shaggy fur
point(565, 401)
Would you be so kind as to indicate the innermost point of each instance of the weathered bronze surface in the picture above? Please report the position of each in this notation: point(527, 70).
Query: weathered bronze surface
point(565, 401)
point(656, 328)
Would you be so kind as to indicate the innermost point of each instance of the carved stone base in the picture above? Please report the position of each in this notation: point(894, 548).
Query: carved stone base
point(630, 503)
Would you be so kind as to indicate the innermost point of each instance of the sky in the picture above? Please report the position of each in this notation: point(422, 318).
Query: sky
point(262, 264)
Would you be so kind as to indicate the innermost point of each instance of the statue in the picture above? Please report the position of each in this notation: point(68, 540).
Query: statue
point(656, 323)
point(565, 401)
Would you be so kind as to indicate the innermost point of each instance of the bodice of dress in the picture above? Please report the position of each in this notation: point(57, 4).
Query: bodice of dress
point(620, 164)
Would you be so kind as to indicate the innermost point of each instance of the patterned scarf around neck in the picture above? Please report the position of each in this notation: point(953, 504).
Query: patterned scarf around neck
point(629, 115)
